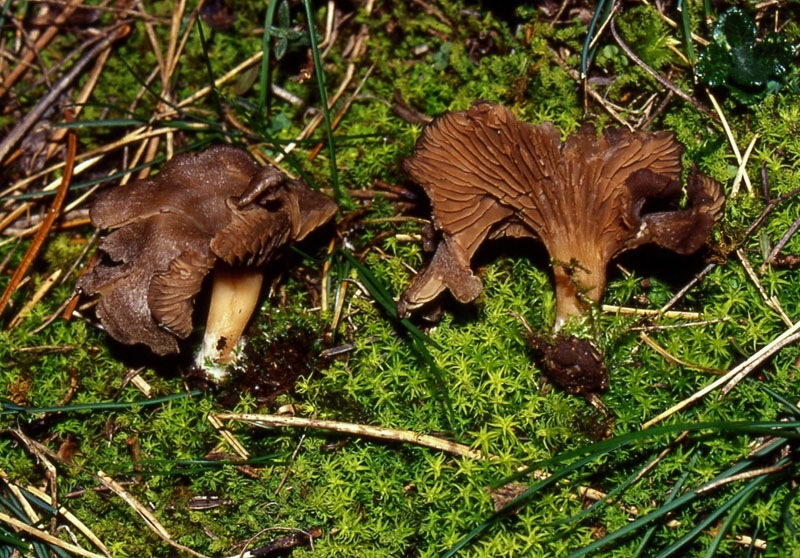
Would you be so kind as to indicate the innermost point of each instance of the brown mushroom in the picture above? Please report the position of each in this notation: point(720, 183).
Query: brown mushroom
point(216, 210)
point(490, 175)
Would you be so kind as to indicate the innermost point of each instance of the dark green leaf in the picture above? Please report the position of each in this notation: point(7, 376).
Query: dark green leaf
point(283, 15)
point(737, 60)
point(734, 29)
point(280, 48)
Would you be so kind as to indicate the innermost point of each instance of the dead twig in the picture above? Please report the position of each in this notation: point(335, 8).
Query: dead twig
point(781, 243)
point(144, 512)
point(390, 434)
point(39, 109)
point(41, 234)
point(735, 375)
point(658, 77)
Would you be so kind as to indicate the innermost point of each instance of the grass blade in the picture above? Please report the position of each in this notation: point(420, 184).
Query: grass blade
point(516, 503)
point(711, 518)
point(585, 54)
point(590, 453)
point(666, 509)
point(418, 338)
point(790, 407)
point(616, 491)
point(337, 189)
point(265, 77)
point(672, 495)
point(211, 82)
point(743, 497)
point(9, 408)
point(687, 30)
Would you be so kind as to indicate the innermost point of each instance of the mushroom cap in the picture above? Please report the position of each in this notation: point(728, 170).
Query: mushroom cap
point(489, 174)
point(171, 228)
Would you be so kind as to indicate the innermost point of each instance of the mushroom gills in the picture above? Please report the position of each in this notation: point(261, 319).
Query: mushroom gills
point(490, 175)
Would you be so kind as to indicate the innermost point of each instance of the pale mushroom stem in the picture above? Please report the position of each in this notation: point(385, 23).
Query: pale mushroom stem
point(234, 295)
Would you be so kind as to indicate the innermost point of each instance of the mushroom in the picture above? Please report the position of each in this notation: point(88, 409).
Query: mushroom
point(489, 175)
point(218, 210)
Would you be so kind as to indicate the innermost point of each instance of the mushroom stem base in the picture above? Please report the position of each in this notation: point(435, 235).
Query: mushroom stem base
point(577, 286)
point(234, 295)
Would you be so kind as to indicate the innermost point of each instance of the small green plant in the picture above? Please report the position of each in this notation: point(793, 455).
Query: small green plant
point(747, 67)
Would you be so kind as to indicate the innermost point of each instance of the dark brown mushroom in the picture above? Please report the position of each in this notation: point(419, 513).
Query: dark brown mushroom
point(215, 210)
point(490, 175)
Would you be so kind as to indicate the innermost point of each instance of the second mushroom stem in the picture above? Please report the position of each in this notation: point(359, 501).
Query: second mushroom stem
point(234, 295)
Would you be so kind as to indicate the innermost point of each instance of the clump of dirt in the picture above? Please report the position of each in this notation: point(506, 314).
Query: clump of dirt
point(571, 363)
point(272, 367)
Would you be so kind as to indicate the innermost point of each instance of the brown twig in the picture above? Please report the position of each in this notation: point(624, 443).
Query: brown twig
point(658, 77)
point(41, 43)
point(782, 242)
point(39, 109)
point(390, 434)
point(44, 229)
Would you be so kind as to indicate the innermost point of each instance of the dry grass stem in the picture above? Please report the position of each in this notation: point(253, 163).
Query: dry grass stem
point(746, 475)
point(45, 287)
point(41, 43)
point(735, 375)
point(389, 434)
point(228, 436)
point(695, 37)
point(150, 520)
point(602, 27)
point(62, 511)
point(611, 309)
point(770, 301)
point(26, 505)
point(672, 358)
point(732, 141)
point(340, 115)
point(82, 98)
point(46, 537)
point(142, 385)
point(742, 171)
point(146, 515)
point(339, 304)
point(320, 116)
point(326, 268)
point(33, 116)
point(678, 326)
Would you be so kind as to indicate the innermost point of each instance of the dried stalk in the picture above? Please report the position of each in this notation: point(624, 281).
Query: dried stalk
point(390, 434)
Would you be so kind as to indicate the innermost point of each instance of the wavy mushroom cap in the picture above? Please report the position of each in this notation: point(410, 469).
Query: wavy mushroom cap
point(489, 174)
point(172, 228)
